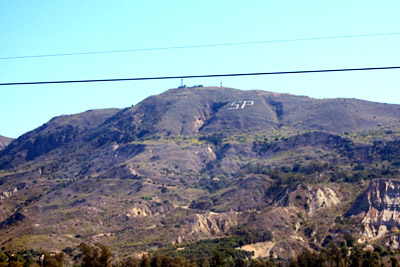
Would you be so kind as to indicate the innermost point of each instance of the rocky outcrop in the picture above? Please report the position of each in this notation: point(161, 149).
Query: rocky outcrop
point(378, 208)
point(210, 223)
point(10, 192)
point(147, 209)
point(140, 211)
point(311, 198)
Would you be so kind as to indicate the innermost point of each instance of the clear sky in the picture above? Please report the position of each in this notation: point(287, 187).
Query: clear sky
point(53, 27)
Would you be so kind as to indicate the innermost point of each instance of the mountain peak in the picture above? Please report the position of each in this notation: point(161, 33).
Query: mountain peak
point(202, 110)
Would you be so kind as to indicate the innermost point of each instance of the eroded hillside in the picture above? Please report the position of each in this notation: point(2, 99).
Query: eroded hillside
point(199, 163)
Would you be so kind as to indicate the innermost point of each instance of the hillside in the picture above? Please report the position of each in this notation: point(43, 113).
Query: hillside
point(198, 163)
point(4, 141)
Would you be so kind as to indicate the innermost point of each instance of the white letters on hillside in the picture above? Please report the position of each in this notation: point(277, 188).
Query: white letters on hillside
point(241, 104)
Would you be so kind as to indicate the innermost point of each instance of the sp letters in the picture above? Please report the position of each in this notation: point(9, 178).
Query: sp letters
point(241, 104)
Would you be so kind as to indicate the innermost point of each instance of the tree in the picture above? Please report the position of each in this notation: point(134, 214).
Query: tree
point(350, 239)
point(56, 260)
point(394, 262)
point(16, 264)
point(145, 261)
point(105, 255)
point(3, 257)
point(156, 260)
point(217, 260)
point(307, 258)
point(98, 255)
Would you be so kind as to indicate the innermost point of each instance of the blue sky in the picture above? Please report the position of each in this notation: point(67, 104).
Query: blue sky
point(54, 27)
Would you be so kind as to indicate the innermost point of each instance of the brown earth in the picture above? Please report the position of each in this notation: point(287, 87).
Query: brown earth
point(195, 163)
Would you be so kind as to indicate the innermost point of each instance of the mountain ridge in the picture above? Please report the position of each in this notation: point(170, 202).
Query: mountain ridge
point(197, 163)
point(212, 109)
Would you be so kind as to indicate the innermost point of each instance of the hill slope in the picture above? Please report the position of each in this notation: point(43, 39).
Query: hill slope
point(4, 141)
point(197, 163)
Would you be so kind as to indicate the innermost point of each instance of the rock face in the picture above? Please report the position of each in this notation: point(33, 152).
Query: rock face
point(310, 198)
point(212, 223)
point(10, 192)
point(378, 207)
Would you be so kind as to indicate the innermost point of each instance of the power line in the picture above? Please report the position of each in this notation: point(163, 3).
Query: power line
point(201, 46)
point(203, 76)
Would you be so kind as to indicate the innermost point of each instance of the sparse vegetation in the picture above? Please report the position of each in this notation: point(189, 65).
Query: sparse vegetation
point(218, 252)
point(190, 168)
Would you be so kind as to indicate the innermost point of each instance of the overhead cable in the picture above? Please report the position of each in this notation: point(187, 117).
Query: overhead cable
point(200, 46)
point(202, 76)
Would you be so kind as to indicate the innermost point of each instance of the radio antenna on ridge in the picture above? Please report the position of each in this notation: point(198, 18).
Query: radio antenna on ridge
point(182, 86)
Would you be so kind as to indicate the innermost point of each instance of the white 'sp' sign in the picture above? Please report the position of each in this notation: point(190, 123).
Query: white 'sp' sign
point(241, 104)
